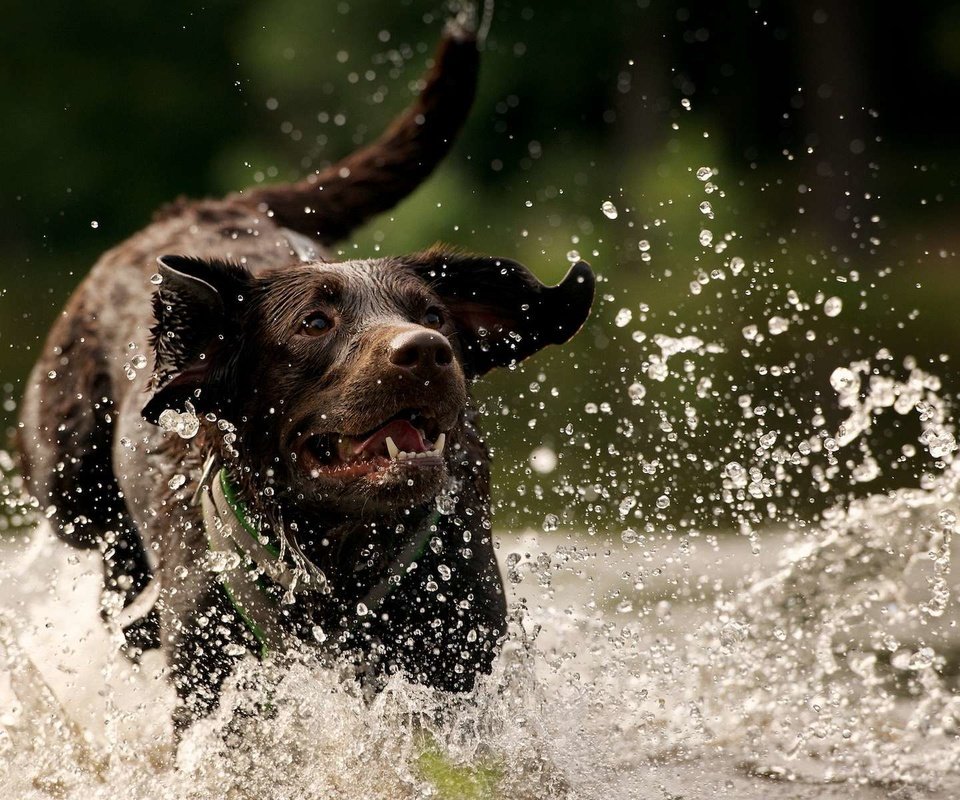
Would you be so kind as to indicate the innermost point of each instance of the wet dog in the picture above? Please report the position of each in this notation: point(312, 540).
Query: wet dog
point(302, 462)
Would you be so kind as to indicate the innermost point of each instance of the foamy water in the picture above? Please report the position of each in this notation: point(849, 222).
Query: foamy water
point(825, 670)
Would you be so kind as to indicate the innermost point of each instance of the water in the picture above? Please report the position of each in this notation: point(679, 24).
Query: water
point(838, 665)
point(808, 655)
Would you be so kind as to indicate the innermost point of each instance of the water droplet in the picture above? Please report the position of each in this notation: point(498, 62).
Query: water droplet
point(732, 633)
point(777, 325)
point(219, 561)
point(156, 279)
point(185, 424)
point(706, 237)
point(734, 470)
point(609, 210)
point(704, 173)
point(446, 503)
point(845, 381)
point(234, 649)
point(637, 392)
point(922, 659)
point(543, 460)
point(624, 315)
point(768, 439)
point(832, 306)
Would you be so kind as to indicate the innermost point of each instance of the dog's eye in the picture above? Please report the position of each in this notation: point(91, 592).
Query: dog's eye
point(432, 318)
point(316, 325)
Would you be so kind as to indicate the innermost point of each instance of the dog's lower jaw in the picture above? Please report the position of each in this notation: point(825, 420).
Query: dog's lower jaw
point(391, 487)
point(388, 493)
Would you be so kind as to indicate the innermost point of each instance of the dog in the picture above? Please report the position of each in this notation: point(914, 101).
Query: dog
point(302, 463)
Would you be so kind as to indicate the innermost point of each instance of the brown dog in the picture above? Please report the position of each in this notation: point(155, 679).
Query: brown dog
point(303, 462)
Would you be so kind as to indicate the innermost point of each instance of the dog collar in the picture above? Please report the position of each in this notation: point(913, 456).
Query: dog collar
point(260, 575)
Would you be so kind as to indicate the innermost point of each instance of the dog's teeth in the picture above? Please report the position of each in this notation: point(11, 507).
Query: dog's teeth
point(404, 455)
point(392, 448)
point(441, 441)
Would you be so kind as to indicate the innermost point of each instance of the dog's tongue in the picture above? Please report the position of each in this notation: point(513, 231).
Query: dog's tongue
point(404, 436)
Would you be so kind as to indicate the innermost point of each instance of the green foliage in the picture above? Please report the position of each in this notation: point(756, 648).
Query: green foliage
point(456, 781)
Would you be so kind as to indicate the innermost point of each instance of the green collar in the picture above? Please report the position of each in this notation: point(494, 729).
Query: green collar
point(260, 574)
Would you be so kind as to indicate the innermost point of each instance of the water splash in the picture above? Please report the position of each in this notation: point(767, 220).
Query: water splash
point(836, 666)
point(650, 661)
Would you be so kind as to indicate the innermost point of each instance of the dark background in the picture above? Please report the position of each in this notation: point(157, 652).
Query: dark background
point(832, 128)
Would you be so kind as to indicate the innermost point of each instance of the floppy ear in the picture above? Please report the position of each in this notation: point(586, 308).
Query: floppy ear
point(503, 314)
point(198, 308)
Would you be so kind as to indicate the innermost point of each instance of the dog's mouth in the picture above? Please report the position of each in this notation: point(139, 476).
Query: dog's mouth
point(406, 440)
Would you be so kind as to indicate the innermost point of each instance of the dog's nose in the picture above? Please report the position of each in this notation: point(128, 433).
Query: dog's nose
point(421, 352)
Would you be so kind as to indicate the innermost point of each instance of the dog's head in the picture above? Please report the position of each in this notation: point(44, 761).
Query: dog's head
point(346, 383)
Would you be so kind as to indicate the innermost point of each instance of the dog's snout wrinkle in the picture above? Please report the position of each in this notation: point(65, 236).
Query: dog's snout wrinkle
point(421, 351)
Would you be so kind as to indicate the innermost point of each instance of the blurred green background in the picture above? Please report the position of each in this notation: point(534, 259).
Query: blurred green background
point(829, 128)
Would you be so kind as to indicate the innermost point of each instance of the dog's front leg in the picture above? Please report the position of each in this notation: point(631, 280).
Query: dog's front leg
point(211, 642)
point(200, 629)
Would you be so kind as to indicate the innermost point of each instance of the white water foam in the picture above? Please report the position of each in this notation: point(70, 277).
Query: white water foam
point(830, 669)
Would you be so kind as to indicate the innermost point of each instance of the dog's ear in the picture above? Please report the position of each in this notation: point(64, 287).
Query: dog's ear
point(502, 313)
point(198, 308)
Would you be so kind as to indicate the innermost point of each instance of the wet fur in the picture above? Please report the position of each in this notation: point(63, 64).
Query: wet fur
point(87, 450)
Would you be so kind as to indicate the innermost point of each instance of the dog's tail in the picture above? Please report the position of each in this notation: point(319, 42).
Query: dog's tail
point(329, 204)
